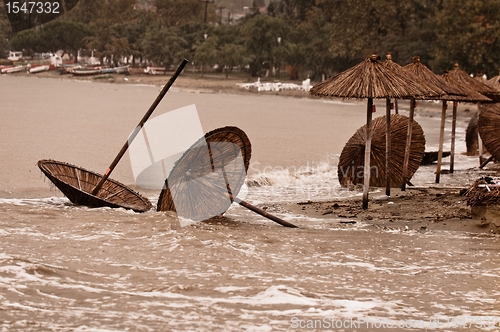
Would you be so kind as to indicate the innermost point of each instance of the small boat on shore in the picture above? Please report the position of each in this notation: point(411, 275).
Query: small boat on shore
point(15, 69)
point(136, 70)
point(122, 70)
point(86, 71)
point(155, 70)
point(38, 69)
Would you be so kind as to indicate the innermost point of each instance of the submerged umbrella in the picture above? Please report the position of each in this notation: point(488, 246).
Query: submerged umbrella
point(370, 79)
point(98, 188)
point(351, 159)
point(206, 180)
point(488, 127)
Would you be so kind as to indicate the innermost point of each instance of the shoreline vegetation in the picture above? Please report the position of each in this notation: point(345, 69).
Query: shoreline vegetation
point(415, 210)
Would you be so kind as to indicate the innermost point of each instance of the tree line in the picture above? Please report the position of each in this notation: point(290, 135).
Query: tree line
point(304, 38)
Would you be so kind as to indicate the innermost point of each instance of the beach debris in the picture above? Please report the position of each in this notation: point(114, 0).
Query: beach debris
point(351, 161)
point(371, 79)
point(207, 178)
point(485, 191)
point(94, 190)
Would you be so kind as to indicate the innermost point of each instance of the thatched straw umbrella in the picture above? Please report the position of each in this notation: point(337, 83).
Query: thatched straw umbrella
point(394, 66)
point(420, 70)
point(488, 127)
point(351, 158)
point(471, 96)
point(370, 79)
point(495, 81)
point(479, 85)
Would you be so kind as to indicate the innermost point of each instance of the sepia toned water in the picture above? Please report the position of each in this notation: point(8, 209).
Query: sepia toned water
point(70, 268)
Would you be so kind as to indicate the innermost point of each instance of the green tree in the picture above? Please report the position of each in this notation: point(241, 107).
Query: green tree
point(260, 35)
point(177, 12)
point(62, 35)
point(230, 56)
point(469, 32)
point(28, 41)
point(164, 46)
point(206, 52)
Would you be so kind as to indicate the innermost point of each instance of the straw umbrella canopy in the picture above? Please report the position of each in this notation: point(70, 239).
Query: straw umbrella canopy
point(488, 124)
point(495, 81)
point(480, 86)
point(351, 158)
point(370, 79)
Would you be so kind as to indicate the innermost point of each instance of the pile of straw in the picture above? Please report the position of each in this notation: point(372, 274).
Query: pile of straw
point(482, 194)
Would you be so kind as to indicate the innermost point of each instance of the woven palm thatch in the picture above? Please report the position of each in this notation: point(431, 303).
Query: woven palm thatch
point(495, 81)
point(489, 128)
point(471, 95)
point(464, 79)
point(351, 162)
point(480, 194)
point(436, 89)
point(372, 79)
point(200, 195)
point(77, 183)
point(418, 69)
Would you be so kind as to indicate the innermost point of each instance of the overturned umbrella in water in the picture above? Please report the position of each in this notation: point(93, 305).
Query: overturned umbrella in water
point(87, 188)
point(208, 177)
point(371, 79)
point(76, 183)
point(351, 159)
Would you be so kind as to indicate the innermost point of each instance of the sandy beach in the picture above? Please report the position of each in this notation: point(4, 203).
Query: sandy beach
point(415, 256)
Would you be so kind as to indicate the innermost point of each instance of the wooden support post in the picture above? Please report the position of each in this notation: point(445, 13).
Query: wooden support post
point(441, 140)
point(479, 140)
point(367, 169)
point(406, 160)
point(388, 148)
point(396, 108)
point(453, 130)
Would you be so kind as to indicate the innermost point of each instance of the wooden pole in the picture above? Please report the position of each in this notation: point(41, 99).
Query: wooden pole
point(406, 159)
point(369, 110)
point(163, 92)
point(486, 162)
point(246, 204)
point(263, 213)
point(479, 140)
point(453, 130)
point(441, 140)
point(396, 107)
point(388, 148)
